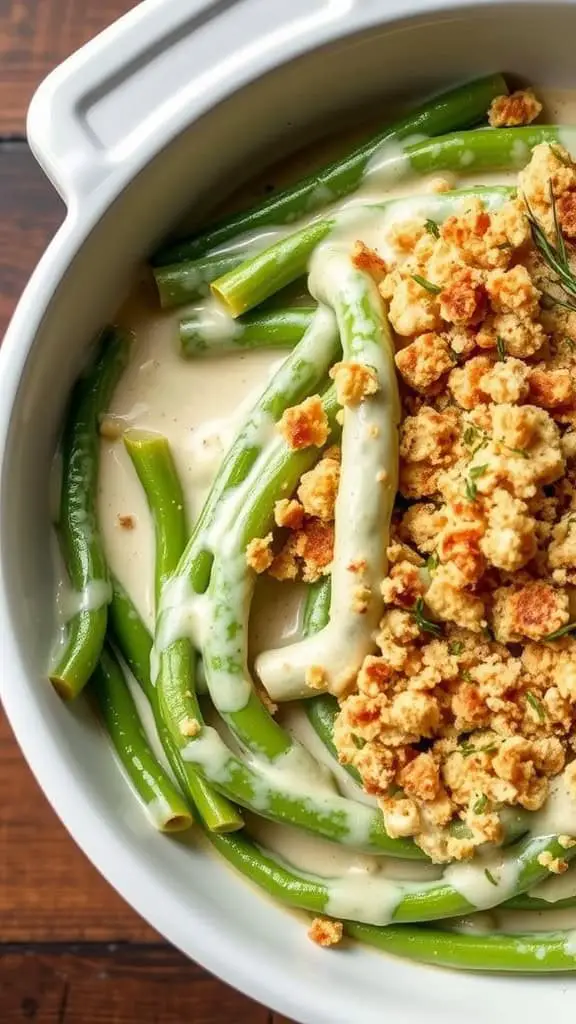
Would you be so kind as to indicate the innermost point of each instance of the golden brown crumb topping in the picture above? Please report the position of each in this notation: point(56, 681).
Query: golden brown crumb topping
point(518, 108)
point(306, 424)
point(354, 382)
point(259, 553)
point(326, 932)
point(469, 703)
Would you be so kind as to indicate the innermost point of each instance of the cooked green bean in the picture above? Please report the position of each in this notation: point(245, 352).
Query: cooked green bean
point(533, 952)
point(255, 280)
point(302, 373)
point(135, 644)
point(152, 459)
point(366, 494)
point(456, 108)
point(163, 803)
point(184, 283)
point(279, 328)
point(78, 526)
point(388, 900)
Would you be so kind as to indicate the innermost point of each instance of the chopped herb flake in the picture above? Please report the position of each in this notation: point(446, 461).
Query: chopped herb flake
point(432, 561)
point(456, 647)
point(536, 705)
point(425, 625)
point(358, 742)
point(480, 805)
point(434, 289)
point(432, 228)
point(501, 347)
point(490, 876)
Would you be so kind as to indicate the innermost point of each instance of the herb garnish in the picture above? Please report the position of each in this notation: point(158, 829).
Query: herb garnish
point(501, 347)
point(471, 489)
point(434, 289)
point(358, 742)
point(425, 625)
point(456, 647)
point(490, 876)
point(432, 228)
point(480, 804)
point(535, 705)
point(467, 749)
point(432, 561)
point(555, 256)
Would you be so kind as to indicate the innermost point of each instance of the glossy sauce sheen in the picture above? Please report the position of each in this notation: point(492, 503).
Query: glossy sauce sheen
point(198, 405)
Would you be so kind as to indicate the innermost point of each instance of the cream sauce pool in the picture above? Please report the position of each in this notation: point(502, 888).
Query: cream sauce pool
point(198, 404)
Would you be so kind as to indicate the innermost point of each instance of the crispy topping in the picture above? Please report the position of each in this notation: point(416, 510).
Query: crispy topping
point(259, 553)
point(518, 108)
point(326, 932)
point(354, 382)
point(304, 425)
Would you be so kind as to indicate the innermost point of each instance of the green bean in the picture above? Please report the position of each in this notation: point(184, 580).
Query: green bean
point(526, 902)
point(486, 149)
point(303, 372)
point(131, 637)
point(259, 785)
point(230, 591)
point(183, 283)
point(534, 952)
point(457, 108)
point(258, 277)
point(366, 495)
point(323, 710)
point(78, 526)
point(152, 459)
point(387, 900)
point(278, 328)
point(135, 644)
point(163, 804)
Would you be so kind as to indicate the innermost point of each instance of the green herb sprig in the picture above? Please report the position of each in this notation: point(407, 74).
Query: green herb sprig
point(428, 286)
point(425, 625)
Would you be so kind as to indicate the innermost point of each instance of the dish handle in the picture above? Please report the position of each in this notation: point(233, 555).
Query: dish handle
point(130, 90)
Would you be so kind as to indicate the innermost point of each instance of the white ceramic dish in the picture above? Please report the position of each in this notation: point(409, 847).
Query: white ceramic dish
point(168, 108)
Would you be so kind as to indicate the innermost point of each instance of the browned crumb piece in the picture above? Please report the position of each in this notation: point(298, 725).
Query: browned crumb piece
point(551, 389)
point(308, 551)
point(189, 727)
point(554, 864)
point(288, 513)
point(365, 258)
point(315, 677)
point(518, 108)
point(306, 424)
point(110, 428)
point(463, 301)
point(534, 610)
point(567, 842)
point(354, 382)
point(318, 489)
point(424, 361)
point(566, 210)
point(127, 522)
point(325, 932)
point(259, 554)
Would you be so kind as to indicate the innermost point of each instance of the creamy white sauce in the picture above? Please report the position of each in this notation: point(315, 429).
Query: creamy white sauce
point(198, 405)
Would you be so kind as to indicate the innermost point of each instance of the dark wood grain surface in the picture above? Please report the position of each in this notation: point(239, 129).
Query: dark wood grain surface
point(71, 951)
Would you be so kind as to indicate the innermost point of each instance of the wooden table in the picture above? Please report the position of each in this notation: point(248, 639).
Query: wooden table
point(71, 951)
